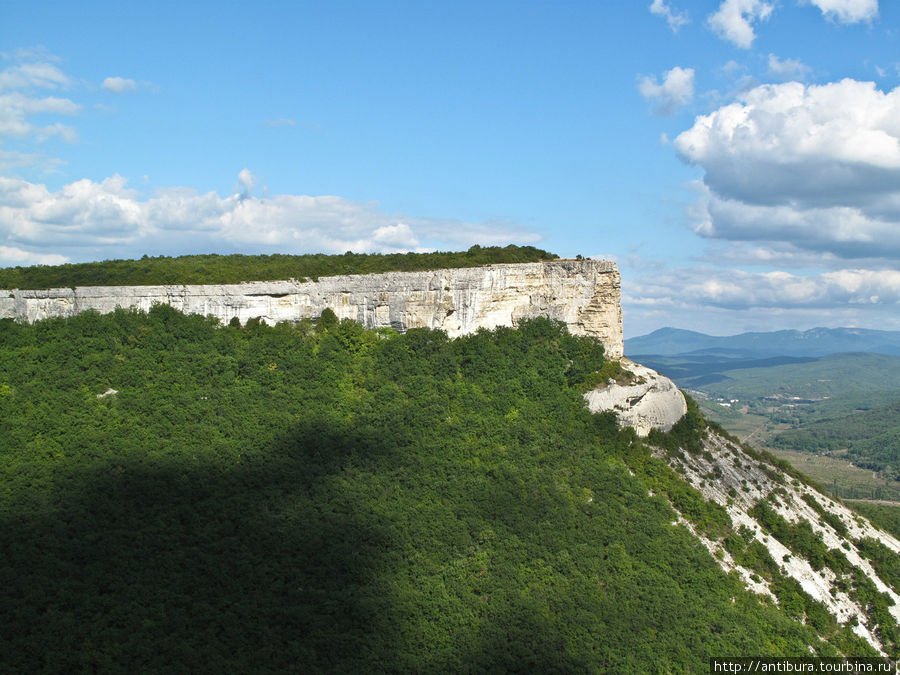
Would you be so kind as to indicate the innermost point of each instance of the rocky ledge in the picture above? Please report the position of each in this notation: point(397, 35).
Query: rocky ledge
point(647, 401)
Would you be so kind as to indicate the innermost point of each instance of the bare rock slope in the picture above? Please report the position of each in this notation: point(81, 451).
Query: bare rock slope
point(786, 532)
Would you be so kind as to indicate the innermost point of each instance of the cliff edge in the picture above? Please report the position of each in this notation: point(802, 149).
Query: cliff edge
point(585, 294)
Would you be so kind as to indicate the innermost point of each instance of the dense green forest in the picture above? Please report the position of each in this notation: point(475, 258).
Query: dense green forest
point(885, 516)
point(325, 497)
point(232, 269)
point(846, 404)
point(871, 437)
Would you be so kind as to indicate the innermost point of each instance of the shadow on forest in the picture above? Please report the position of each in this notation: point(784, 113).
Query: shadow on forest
point(161, 564)
point(264, 565)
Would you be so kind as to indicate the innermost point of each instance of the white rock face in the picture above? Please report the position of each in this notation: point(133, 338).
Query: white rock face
point(740, 481)
point(651, 402)
point(585, 294)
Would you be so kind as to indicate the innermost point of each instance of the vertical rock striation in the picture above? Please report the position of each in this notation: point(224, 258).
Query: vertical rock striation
point(585, 294)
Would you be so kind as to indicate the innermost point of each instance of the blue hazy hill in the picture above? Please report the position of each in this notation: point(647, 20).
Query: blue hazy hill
point(760, 345)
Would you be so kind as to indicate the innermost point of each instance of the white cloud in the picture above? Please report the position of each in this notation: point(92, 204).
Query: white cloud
point(777, 254)
point(86, 219)
point(839, 230)
point(787, 69)
point(734, 20)
point(850, 124)
point(63, 131)
point(796, 177)
point(739, 290)
point(711, 301)
point(84, 211)
point(18, 102)
point(246, 183)
point(16, 108)
point(33, 75)
point(119, 85)
point(815, 166)
point(34, 53)
point(674, 18)
point(11, 257)
point(400, 235)
point(848, 11)
point(676, 90)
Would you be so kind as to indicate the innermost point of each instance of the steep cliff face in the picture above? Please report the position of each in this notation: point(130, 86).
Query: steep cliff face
point(585, 294)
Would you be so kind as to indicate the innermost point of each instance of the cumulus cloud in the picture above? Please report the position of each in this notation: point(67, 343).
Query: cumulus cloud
point(848, 11)
point(815, 166)
point(787, 69)
point(119, 85)
point(105, 212)
point(725, 302)
point(676, 90)
point(839, 230)
point(400, 234)
point(740, 290)
point(88, 219)
point(734, 20)
point(674, 18)
point(246, 183)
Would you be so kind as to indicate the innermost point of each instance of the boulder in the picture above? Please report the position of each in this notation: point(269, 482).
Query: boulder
point(648, 401)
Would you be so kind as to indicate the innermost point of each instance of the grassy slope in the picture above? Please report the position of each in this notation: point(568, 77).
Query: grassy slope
point(222, 269)
point(254, 499)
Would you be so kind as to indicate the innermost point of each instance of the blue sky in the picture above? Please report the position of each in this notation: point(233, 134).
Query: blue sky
point(739, 159)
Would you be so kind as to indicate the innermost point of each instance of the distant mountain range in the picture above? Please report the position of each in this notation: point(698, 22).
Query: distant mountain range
point(811, 343)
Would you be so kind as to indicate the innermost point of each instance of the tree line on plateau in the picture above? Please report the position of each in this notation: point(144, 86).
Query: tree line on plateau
point(233, 269)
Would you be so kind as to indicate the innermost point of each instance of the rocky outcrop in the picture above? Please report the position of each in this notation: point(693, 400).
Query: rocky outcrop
point(648, 401)
point(585, 294)
point(726, 474)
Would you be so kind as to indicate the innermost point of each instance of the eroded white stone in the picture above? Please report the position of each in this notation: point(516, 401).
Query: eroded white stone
point(651, 401)
point(585, 294)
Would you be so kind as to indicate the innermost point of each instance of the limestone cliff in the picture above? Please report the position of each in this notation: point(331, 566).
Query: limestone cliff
point(649, 401)
point(585, 294)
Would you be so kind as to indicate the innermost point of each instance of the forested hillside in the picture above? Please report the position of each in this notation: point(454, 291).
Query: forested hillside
point(871, 437)
point(330, 498)
point(232, 269)
point(847, 405)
